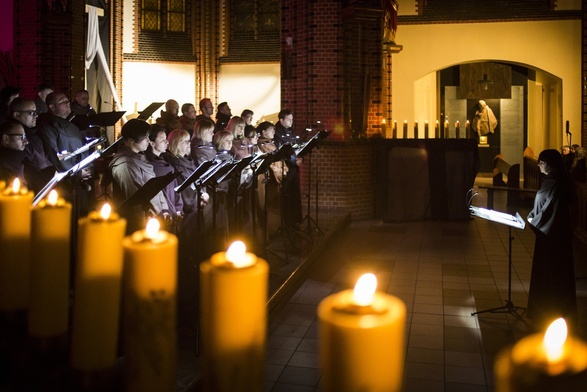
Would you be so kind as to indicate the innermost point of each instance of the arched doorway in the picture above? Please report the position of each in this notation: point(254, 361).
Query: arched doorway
point(526, 101)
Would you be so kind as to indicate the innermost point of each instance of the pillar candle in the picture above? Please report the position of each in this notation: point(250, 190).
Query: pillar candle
point(233, 319)
point(467, 130)
point(543, 362)
point(150, 311)
point(405, 135)
point(97, 286)
point(426, 130)
point(437, 130)
point(457, 130)
point(394, 135)
point(361, 340)
point(416, 130)
point(15, 229)
point(446, 134)
point(50, 258)
point(384, 128)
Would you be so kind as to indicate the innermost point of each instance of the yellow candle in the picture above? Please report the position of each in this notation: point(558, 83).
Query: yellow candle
point(416, 130)
point(458, 130)
point(96, 309)
point(405, 129)
point(150, 311)
point(15, 228)
point(540, 363)
point(426, 130)
point(467, 130)
point(437, 130)
point(384, 128)
point(50, 258)
point(394, 135)
point(446, 135)
point(233, 319)
point(362, 339)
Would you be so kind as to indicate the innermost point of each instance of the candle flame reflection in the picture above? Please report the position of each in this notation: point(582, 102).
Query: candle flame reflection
point(236, 254)
point(52, 198)
point(152, 228)
point(105, 211)
point(16, 185)
point(554, 339)
point(365, 290)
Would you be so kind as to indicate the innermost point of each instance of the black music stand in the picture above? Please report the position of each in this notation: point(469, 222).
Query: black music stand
point(149, 110)
point(195, 176)
point(59, 176)
point(263, 165)
point(104, 119)
point(510, 221)
point(148, 191)
point(81, 150)
point(306, 149)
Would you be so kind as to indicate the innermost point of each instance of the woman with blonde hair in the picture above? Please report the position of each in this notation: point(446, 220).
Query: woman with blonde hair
point(179, 156)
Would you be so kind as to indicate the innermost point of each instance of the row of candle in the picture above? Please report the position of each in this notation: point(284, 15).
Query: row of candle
point(361, 331)
point(438, 132)
point(35, 274)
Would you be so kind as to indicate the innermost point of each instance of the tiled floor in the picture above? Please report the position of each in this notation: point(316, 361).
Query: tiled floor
point(443, 271)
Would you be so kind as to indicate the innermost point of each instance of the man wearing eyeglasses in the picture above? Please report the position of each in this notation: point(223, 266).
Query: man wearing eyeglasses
point(37, 168)
point(60, 138)
point(12, 144)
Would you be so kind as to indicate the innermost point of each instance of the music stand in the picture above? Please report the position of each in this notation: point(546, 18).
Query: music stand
point(149, 110)
point(262, 166)
point(82, 149)
point(148, 191)
point(196, 174)
point(61, 175)
point(510, 221)
point(306, 149)
point(104, 119)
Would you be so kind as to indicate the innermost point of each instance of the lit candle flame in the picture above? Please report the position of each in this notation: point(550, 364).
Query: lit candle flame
point(105, 211)
point(383, 121)
point(554, 339)
point(236, 253)
point(152, 229)
point(52, 198)
point(16, 185)
point(365, 290)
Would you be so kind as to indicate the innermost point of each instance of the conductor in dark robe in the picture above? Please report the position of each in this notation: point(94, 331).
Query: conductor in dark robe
point(552, 283)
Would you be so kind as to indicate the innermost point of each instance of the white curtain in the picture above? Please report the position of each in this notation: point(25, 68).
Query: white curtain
point(94, 47)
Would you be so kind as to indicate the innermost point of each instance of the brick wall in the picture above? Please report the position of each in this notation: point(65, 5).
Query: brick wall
point(49, 45)
point(331, 72)
point(344, 171)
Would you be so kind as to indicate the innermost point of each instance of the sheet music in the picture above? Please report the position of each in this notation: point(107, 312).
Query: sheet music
point(499, 217)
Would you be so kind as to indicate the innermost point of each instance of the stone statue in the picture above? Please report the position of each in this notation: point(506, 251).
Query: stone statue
point(484, 121)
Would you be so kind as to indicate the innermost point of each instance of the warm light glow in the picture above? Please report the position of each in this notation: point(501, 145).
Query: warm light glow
point(152, 229)
point(16, 186)
point(554, 339)
point(405, 121)
point(105, 211)
point(365, 290)
point(236, 254)
point(52, 198)
point(383, 121)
